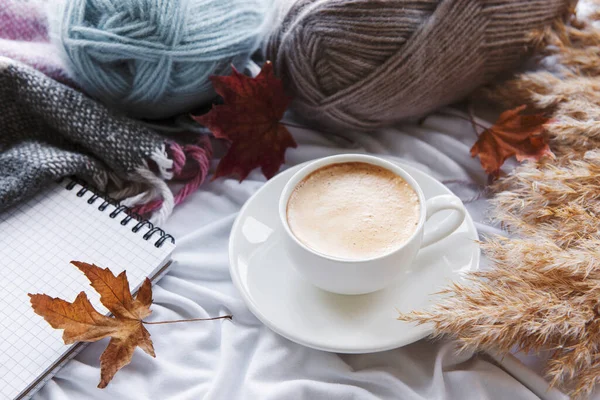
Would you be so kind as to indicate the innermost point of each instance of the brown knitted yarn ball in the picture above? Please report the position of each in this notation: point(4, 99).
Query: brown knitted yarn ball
point(364, 64)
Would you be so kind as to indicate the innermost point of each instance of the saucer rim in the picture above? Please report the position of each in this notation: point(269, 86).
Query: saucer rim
point(421, 331)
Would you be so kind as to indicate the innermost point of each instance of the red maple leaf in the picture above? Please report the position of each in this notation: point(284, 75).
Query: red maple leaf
point(513, 134)
point(249, 119)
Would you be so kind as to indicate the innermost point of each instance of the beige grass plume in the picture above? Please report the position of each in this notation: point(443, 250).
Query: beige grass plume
point(543, 292)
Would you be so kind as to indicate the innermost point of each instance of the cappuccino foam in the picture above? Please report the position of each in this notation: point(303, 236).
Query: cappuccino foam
point(353, 210)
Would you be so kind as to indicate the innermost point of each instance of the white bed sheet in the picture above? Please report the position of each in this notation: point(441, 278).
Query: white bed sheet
point(243, 359)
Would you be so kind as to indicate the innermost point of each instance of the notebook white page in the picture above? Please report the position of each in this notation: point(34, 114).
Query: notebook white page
point(38, 239)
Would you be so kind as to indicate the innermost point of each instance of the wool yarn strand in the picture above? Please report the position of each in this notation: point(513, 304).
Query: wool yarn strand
point(364, 64)
point(153, 58)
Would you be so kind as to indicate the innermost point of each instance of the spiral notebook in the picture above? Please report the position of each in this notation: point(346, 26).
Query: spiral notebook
point(38, 238)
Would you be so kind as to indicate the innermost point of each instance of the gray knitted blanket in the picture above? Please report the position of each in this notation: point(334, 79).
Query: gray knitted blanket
point(49, 131)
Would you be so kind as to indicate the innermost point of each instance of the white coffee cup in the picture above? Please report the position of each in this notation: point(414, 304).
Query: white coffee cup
point(349, 276)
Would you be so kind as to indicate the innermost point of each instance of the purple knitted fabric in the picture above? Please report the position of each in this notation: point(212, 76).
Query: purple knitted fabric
point(24, 37)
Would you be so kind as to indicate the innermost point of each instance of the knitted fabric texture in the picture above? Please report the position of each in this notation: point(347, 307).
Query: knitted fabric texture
point(364, 64)
point(49, 131)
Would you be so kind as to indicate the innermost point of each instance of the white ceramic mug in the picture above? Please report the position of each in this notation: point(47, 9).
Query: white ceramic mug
point(362, 276)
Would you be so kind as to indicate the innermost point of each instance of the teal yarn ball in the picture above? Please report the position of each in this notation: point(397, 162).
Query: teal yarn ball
point(153, 58)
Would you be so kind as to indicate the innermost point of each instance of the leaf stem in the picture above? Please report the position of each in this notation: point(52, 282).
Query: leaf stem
point(471, 119)
point(229, 317)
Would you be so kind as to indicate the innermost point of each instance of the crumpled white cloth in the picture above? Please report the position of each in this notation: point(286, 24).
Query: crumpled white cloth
point(243, 359)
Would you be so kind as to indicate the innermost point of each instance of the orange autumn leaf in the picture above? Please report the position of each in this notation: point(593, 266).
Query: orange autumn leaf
point(250, 120)
point(513, 134)
point(114, 292)
point(82, 323)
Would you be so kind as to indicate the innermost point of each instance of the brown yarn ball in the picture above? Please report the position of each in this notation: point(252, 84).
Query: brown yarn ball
point(364, 64)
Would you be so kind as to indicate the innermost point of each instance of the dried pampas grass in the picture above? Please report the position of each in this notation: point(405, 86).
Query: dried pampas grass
point(543, 293)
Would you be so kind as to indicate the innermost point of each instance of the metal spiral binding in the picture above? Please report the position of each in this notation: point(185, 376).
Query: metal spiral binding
point(119, 209)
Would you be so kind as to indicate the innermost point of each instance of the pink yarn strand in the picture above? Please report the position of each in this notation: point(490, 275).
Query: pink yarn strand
point(190, 164)
point(179, 158)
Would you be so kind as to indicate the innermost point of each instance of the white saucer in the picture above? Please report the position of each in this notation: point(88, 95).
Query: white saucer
point(297, 310)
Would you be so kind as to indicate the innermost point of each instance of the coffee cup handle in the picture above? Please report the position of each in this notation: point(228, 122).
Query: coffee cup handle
point(449, 224)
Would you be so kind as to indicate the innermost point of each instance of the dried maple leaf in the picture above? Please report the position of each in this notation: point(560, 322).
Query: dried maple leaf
point(250, 120)
point(513, 134)
point(82, 323)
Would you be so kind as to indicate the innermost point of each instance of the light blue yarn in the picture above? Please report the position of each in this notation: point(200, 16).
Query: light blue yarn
point(153, 58)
